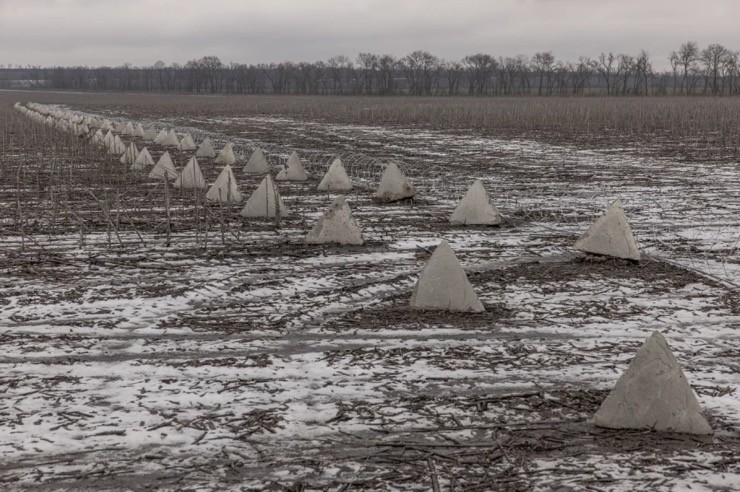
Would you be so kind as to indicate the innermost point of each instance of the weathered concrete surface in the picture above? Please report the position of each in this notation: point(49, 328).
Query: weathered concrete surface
point(143, 160)
point(265, 202)
point(191, 177)
point(443, 284)
point(224, 190)
point(653, 394)
point(163, 166)
point(336, 178)
point(226, 155)
point(257, 163)
point(394, 185)
point(610, 235)
point(336, 226)
point(293, 170)
point(206, 149)
point(187, 143)
point(475, 208)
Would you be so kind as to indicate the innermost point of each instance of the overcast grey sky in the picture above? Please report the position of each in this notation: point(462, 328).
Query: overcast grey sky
point(100, 32)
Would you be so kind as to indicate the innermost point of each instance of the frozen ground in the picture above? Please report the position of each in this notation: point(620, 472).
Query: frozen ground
point(261, 362)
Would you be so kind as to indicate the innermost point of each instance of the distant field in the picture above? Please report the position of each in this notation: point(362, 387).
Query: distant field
point(178, 345)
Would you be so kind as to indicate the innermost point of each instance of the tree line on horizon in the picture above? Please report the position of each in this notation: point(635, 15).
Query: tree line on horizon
point(714, 70)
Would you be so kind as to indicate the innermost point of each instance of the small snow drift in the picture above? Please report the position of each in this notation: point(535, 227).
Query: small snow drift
point(224, 190)
point(336, 226)
point(187, 143)
point(336, 178)
point(164, 166)
point(475, 208)
point(610, 235)
point(206, 149)
point(171, 139)
point(129, 157)
point(265, 202)
point(653, 394)
point(293, 171)
point(143, 161)
point(257, 163)
point(191, 177)
point(394, 185)
point(444, 286)
point(226, 155)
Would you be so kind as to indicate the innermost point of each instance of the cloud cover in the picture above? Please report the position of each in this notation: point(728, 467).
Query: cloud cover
point(88, 32)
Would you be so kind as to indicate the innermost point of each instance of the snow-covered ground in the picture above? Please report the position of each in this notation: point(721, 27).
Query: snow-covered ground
point(264, 362)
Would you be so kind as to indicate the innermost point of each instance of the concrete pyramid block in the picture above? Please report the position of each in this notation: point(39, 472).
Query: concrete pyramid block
point(163, 167)
point(187, 143)
point(206, 149)
point(257, 163)
point(170, 140)
point(128, 129)
point(653, 394)
point(394, 185)
point(265, 202)
point(336, 226)
point(106, 125)
point(226, 155)
point(293, 171)
point(224, 190)
point(98, 138)
point(150, 134)
point(336, 178)
point(475, 208)
point(191, 177)
point(143, 161)
point(129, 157)
point(444, 286)
point(610, 235)
point(161, 136)
point(139, 131)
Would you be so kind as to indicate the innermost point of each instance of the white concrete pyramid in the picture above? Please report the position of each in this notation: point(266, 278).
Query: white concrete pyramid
point(143, 161)
point(120, 126)
point(139, 131)
point(226, 155)
point(128, 129)
point(171, 139)
point(164, 166)
point(206, 149)
point(610, 235)
point(394, 185)
point(444, 286)
point(129, 157)
point(336, 226)
point(653, 394)
point(191, 177)
point(257, 163)
point(187, 143)
point(161, 136)
point(336, 178)
point(117, 147)
point(293, 170)
point(265, 202)
point(106, 125)
point(150, 134)
point(475, 208)
point(224, 190)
